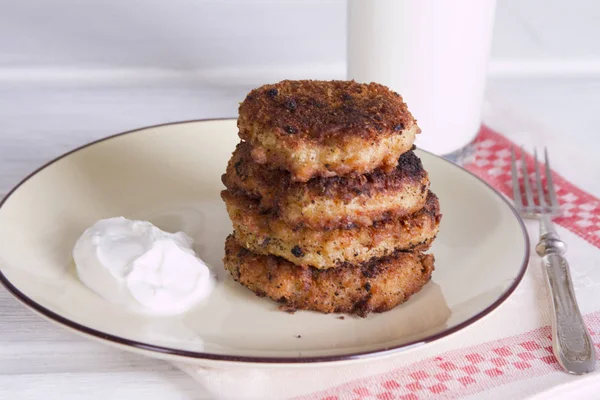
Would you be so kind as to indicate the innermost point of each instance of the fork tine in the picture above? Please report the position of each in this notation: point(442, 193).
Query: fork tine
point(528, 192)
point(538, 181)
point(515, 180)
point(551, 192)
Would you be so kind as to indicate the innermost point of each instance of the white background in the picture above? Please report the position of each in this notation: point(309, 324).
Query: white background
point(237, 38)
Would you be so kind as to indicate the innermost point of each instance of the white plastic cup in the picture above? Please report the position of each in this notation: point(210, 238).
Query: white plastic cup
point(434, 53)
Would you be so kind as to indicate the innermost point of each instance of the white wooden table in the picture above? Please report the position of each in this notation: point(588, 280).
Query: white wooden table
point(39, 360)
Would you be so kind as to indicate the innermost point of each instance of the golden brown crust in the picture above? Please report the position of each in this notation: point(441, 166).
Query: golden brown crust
point(330, 203)
point(264, 233)
point(321, 111)
point(326, 128)
point(376, 286)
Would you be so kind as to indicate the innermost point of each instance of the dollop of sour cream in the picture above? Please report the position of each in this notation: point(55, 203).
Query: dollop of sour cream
point(135, 264)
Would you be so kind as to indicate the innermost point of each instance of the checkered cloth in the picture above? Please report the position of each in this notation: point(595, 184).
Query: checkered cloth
point(462, 372)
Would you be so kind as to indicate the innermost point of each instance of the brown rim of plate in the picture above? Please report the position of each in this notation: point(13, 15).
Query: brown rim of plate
point(82, 329)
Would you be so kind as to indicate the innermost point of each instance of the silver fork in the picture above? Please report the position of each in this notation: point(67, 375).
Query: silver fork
point(571, 340)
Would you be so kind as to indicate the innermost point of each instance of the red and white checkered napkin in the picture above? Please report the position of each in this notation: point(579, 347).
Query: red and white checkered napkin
point(463, 372)
point(517, 365)
point(580, 210)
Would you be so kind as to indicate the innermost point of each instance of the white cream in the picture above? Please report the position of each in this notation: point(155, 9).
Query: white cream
point(135, 264)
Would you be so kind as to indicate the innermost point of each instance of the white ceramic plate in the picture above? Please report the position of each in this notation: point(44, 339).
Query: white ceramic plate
point(170, 175)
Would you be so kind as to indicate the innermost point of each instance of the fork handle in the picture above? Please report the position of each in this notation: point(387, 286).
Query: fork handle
point(571, 340)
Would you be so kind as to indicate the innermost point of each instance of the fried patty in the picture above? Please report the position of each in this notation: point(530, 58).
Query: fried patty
point(330, 203)
point(264, 233)
point(376, 286)
point(326, 128)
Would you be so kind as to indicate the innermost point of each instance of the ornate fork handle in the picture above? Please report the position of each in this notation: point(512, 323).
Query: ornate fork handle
point(571, 341)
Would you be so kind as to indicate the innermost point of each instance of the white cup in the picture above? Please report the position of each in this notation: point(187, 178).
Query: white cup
point(434, 53)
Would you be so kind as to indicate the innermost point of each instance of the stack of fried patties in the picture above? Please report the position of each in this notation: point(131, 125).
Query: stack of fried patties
point(331, 209)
